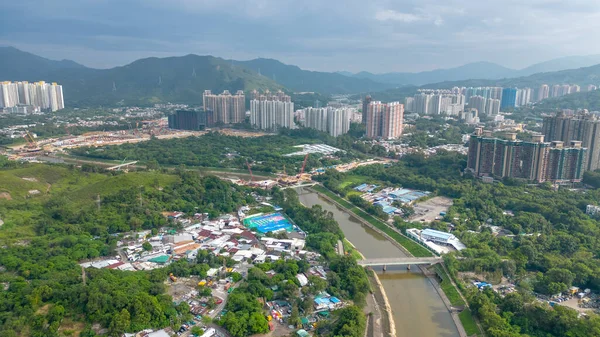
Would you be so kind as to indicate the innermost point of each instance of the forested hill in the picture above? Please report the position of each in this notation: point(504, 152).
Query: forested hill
point(143, 82)
point(581, 100)
point(296, 79)
point(581, 76)
point(172, 79)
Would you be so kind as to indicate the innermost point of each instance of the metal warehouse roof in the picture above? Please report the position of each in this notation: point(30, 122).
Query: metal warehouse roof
point(437, 234)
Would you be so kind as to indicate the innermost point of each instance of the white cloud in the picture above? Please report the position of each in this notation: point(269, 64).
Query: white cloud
point(492, 21)
point(392, 15)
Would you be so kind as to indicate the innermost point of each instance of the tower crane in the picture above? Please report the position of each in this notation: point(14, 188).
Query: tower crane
point(249, 170)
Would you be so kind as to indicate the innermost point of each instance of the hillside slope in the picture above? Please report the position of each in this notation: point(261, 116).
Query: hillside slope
point(299, 80)
point(142, 82)
point(581, 100)
point(17, 64)
point(472, 70)
point(581, 76)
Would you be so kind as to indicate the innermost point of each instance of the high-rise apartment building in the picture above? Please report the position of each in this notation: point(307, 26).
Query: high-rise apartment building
point(445, 103)
point(495, 93)
point(271, 112)
point(435, 105)
point(365, 106)
point(556, 90)
point(543, 92)
point(190, 119)
point(492, 107)
point(509, 98)
point(46, 96)
point(523, 97)
point(565, 89)
point(316, 118)
point(478, 102)
point(338, 121)
point(385, 120)
point(535, 160)
point(583, 127)
point(421, 103)
point(409, 104)
point(591, 87)
point(227, 108)
point(575, 88)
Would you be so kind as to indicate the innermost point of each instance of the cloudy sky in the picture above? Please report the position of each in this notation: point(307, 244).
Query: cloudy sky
point(328, 35)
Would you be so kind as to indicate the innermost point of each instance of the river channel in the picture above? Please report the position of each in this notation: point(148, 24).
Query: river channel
point(417, 309)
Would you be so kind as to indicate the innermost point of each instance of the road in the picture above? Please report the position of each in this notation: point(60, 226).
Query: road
point(340, 247)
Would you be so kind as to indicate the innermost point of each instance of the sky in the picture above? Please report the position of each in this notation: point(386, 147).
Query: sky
point(326, 35)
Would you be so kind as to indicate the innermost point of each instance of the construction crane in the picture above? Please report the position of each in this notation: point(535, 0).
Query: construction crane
point(303, 166)
point(31, 143)
point(249, 170)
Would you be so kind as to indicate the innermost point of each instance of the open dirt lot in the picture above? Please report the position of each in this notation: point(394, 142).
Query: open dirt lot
point(430, 209)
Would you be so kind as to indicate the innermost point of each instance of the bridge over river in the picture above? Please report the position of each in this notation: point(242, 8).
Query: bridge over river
point(400, 261)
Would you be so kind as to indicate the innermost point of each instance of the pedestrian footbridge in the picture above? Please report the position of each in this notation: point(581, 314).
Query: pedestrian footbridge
point(400, 261)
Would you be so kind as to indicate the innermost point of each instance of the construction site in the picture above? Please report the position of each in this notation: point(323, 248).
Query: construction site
point(140, 132)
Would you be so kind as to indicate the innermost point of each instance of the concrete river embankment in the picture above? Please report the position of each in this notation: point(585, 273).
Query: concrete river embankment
point(417, 309)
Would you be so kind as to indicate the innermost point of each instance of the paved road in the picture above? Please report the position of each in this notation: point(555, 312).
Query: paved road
point(340, 247)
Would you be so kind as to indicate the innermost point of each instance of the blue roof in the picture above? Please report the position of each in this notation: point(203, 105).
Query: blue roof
point(437, 234)
point(389, 209)
point(335, 300)
point(361, 187)
point(322, 300)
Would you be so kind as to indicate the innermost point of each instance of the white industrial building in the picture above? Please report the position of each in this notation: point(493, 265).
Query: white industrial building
point(436, 240)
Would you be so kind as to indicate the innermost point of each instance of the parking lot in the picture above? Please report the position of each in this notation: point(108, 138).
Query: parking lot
point(429, 210)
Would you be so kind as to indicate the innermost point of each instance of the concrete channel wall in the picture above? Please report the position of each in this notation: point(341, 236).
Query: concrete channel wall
point(430, 275)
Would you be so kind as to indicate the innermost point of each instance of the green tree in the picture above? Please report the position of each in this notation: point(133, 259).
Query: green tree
point(120, 323)
point(197, 331)
point(147, 246)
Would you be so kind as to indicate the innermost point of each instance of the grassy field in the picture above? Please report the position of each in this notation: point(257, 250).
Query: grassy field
point(348, 247)
point(466, 318)
point(76, 185)
point(18, 207)
point(448, 288)
point(353, 180)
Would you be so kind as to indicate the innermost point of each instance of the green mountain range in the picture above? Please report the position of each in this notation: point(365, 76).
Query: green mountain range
point(171, 79)
point(478, 70)
point(582, 76)
point(184, 79)
point(142, 82)
point(582, 100)
point(298, 80)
